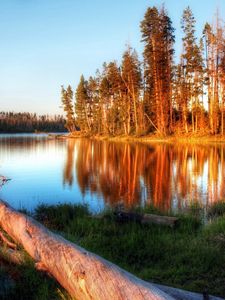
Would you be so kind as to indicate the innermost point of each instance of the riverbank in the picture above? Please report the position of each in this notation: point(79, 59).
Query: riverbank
point(190, 256)
point(153, 138)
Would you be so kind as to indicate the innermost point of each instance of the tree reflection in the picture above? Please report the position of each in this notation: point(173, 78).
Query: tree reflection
point(69, 164)
point(170, 177)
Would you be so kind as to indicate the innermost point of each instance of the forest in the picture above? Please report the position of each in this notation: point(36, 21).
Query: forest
point(11, 122)
point(154, 94)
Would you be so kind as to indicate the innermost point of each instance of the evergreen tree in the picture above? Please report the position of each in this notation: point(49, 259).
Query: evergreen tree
point(192, 64)
point(83, 106)
point(214, 57)
point(157, 34)
point(67, 98)
point(111, 94)
point(93, 96)
point(222, 86)
point(131, 76)
point(104, 94)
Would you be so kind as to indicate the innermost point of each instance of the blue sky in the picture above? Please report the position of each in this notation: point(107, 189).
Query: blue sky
point(47, 43)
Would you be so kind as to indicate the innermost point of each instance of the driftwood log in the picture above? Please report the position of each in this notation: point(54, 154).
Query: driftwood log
point(83, 274)
point(160, 220)
point(146, 218)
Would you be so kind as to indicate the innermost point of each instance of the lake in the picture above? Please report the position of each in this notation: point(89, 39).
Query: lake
point(109, 174)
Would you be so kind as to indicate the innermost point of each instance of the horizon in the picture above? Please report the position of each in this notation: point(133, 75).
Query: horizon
point(51, 43)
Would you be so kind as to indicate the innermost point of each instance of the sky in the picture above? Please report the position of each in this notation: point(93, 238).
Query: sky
point(48, 43)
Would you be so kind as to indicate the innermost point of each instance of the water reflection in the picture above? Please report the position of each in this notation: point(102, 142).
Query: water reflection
point(68, 168)
point(101, 173)
point(170, 177)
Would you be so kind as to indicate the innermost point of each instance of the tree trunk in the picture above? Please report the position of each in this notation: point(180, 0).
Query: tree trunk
point(83, 274)
point(135, 110)
point(184, 112)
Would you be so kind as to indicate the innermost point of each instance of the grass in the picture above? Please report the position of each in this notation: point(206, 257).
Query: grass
point(23, 282)
point(191, 256)
point(217, 210)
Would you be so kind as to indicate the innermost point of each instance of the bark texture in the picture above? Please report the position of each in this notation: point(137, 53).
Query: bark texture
point(83, 274)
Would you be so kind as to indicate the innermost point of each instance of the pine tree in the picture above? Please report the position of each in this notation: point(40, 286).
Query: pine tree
point(67, 98)
point(104, 95)
point(111, 93)
point(94, 100)
point(157, 34)
point(131, 76)
point(222, 86)
point(192, 64)
point(214, 53)
point(83, 106)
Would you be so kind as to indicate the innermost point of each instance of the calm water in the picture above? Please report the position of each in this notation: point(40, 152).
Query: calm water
point(102, 173)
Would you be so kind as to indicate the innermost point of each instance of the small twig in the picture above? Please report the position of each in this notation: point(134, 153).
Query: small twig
point(3, 180)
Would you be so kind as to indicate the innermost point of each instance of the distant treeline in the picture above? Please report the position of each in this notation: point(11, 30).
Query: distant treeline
point(155, 94)
point(11, 122)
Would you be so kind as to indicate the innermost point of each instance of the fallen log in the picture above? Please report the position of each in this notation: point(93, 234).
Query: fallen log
point(83, 274)
point(146, 218)
point(186, 295)
point(160, 220)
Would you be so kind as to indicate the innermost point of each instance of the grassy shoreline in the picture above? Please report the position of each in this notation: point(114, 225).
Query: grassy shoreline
point(191, 256)
point(154, 138)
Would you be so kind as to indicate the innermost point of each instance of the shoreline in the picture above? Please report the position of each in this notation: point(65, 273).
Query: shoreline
point(145, 139)
point(149, 139)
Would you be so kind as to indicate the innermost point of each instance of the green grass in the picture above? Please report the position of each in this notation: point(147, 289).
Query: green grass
point(25, 283)
point(217, 209)
point(190, 256)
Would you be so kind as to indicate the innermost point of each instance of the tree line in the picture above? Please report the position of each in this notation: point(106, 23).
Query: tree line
point(156, 94)
point(11, 122)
